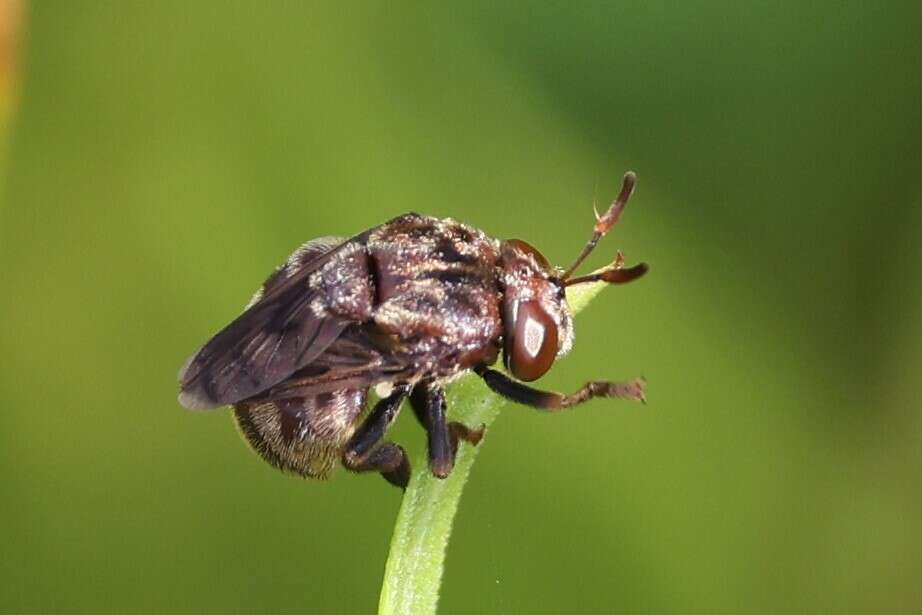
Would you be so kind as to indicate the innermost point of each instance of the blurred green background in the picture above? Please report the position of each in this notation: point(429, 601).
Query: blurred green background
point(164, 157)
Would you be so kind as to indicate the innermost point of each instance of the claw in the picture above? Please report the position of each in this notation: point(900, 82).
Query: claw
point(634, 390)
point(477, 436)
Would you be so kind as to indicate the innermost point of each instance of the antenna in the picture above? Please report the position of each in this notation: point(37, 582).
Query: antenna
point(603, 224)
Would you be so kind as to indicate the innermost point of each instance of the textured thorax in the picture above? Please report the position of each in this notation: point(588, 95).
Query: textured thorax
point(436, 289)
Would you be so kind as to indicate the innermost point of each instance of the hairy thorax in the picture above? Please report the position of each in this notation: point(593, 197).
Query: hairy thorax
point(436, 294)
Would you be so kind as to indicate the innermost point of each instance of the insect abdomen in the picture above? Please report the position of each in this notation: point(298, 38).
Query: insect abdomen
point(304, 436)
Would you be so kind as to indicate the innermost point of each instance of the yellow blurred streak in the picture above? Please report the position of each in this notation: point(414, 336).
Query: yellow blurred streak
point(10, 30)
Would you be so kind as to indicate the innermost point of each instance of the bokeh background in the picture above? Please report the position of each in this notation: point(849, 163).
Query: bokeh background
point(161, 158)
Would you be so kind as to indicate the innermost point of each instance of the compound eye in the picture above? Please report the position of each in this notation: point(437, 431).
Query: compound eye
point(531, 348)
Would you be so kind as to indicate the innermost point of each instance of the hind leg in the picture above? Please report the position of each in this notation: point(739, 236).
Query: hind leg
point(365, 453)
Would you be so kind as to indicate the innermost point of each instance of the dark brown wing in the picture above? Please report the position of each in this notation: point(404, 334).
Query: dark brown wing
point(276, 335)
point(360, 357)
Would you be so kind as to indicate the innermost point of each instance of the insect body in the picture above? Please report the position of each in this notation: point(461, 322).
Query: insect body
point(410, 304)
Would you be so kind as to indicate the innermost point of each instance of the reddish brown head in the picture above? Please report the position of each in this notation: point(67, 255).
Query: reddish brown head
point(537, 322)
point(536, 319)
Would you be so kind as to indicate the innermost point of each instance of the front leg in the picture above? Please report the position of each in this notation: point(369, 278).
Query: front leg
point(428, 401)
point(362, 452)
point(554, 402)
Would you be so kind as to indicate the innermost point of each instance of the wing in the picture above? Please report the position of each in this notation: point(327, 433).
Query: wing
point(276, 335)
point(360, 357)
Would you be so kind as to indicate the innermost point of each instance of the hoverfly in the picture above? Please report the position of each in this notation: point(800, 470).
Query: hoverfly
point(406, 306)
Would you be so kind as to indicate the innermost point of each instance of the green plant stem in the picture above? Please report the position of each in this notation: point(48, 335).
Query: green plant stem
point(413, 574)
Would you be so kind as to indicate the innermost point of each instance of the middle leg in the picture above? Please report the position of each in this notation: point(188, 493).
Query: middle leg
point(428, 401)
